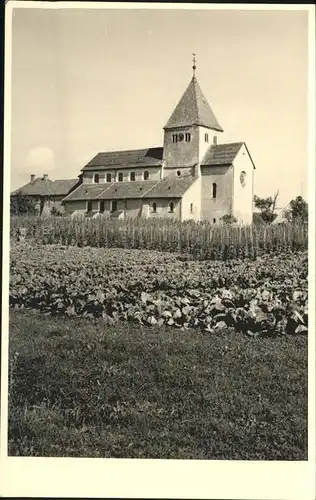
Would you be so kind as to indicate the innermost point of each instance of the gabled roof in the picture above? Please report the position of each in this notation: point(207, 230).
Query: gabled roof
point(126, 190)
point(63, 186)
point(87, 192)
point(221, 154)
point(47, 187)
point(193, 109)
point(126, 159)
point(169, 187)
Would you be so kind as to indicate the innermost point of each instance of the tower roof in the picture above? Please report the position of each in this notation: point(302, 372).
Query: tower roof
point(193, 109)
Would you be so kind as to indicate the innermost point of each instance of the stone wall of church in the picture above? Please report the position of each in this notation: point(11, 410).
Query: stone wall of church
point(181, 154)
point(72, 206)
point(191, 202)
point(243, 192)
point(215, 208)
point(154, 174)
point(132, 208)
point(163, 208)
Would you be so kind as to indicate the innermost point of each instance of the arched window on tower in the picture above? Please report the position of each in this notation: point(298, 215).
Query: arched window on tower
point(214, 190)
point(146, 175)
point(96, 178)
point(108, 178)
point(132, 176)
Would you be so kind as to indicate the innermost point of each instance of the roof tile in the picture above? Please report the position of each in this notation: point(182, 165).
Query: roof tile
point(126, 159)
point(171, 187)
point(193, 109)
point(123, 190)
point(221, 154)
point(47, 187)
point(86, 192)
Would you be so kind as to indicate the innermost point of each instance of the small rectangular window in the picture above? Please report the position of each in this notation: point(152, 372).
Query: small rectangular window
point(154, 208)
point(191, 207)
point(206, 137)
point(132, 176)
point(101, 208)
point(108, 178)
point(89, 206)
point(187, 137)
point(120, 177)
point(96, 178)
point(113, 206)
point(174, 138)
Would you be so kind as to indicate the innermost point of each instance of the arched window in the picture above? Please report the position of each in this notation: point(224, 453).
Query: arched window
point(120, 177)
point(154, 207)
point(146, 175)
point(96, 178)
point(108, 178)
point(214, 190)
point(171, 207)
point(214, 221)
point(178, 173)
point(132, 176)
point(191, 207)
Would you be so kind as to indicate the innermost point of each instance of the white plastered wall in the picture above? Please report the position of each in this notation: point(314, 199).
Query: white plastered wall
point(243, 195)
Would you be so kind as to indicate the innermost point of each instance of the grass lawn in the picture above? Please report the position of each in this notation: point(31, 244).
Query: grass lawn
point(82, 389)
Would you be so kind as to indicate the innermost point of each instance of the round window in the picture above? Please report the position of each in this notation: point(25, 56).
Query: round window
point(178, 173)
point(243, 178)
point(181, 137)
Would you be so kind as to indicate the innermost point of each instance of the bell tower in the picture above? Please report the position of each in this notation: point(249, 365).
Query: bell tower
point(190, 130)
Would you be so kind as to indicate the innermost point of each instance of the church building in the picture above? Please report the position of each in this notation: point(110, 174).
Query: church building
point(193, 176)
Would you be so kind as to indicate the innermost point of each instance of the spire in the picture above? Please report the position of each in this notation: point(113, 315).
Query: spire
point(194, 65)
point(193, 108)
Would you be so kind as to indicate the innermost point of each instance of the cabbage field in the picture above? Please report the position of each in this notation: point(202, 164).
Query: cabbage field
point(138, 353)
point(262, 297)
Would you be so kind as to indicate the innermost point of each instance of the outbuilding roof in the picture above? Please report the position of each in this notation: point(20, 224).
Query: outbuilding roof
point(148, 157)
point(46, 187)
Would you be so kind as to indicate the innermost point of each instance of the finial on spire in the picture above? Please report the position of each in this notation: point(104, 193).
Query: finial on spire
point(194, 65)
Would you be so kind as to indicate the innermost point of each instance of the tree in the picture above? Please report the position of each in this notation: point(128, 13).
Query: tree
point(54, 211)
point(22, 205)
point(266, 207)
point(228, 219)
point(298, 210)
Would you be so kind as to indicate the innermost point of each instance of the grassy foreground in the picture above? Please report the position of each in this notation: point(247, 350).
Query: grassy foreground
point(82, 389)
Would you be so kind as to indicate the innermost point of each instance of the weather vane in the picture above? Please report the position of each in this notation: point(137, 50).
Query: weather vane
point(194, 66)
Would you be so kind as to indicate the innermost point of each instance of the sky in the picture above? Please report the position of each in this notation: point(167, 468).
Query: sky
point(85, 81)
